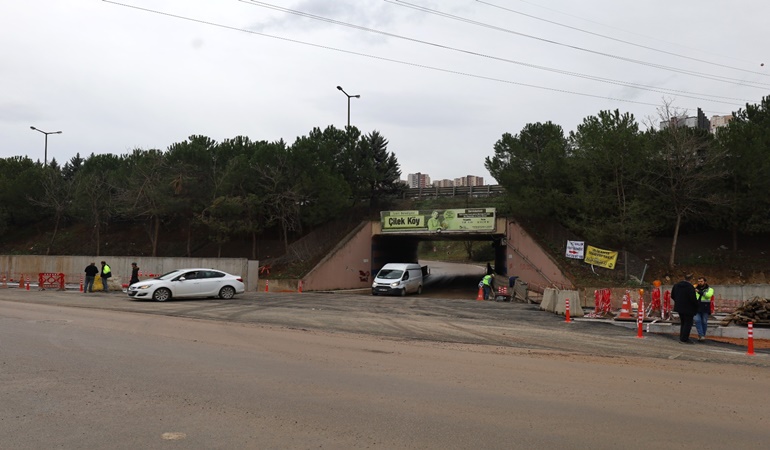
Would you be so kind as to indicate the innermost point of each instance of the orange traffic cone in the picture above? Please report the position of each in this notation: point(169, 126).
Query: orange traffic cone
point(625, 308)
point(480, 295)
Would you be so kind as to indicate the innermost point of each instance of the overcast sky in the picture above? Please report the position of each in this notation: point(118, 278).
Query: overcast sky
point(441, 80)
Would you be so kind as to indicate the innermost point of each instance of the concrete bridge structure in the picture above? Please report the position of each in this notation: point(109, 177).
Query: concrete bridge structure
point(352, 263)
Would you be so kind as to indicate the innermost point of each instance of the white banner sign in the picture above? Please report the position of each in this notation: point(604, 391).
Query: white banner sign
point(575, 249)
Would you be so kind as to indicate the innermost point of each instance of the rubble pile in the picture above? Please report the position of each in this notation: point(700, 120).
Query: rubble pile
point(756, 310)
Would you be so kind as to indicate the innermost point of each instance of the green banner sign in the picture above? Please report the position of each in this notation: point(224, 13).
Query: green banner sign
point(439, 220)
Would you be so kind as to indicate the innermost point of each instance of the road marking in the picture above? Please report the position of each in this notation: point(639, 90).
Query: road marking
point(173, 436)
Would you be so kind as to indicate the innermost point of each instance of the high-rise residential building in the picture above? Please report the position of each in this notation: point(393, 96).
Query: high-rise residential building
point(699, 121)
point(469, 180)
point(418, 180)
point(719, 122)
point(443, 183)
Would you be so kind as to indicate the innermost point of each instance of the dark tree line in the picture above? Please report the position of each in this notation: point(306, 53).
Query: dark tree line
point(230, 189)
point(617, 184)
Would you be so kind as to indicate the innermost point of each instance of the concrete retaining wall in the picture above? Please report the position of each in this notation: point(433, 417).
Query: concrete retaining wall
point(527, 260)
point(347, 266)
point(73, 266)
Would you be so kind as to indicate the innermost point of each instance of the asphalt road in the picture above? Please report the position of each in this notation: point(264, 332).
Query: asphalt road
point(355, 371)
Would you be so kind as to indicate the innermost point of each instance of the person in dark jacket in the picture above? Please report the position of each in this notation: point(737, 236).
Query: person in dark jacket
point(686, 304)
point(134, 274)
point(91, 271)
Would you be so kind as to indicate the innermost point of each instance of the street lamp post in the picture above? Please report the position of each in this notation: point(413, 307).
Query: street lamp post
point(46, 133)
point(349, 97)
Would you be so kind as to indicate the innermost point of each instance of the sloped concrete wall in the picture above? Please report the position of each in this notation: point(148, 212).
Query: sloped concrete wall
point(528, 261)
point(347, 266)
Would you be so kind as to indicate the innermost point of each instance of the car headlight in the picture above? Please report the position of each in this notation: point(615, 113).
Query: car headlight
point(144, 286)
point(394, 284)
point(374, 285)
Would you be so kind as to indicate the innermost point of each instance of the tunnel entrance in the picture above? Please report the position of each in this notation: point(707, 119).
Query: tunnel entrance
point(403, 248)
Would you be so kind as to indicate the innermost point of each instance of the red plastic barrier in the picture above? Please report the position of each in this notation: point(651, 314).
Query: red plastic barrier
point(50, 280)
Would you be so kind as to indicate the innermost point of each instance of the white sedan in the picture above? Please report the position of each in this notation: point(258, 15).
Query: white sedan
point(188, 283)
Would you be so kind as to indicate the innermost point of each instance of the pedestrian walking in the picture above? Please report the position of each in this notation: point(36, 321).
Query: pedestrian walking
point(91, 271)
point(703, 293)
point(686, 304)
point(106, 274)
point(134, 274)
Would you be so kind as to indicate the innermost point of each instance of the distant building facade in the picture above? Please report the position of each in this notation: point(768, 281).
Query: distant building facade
point(422, 180)
point(699, 121)
point(418, 180)
point(718, 122)
point(443, 183)
point(469, 180)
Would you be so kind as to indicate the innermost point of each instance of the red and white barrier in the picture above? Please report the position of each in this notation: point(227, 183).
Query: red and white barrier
point(640, 315)
point(566, 311)
point(750, 352)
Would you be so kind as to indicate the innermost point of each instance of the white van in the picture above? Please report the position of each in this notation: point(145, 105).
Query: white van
point(398, 278)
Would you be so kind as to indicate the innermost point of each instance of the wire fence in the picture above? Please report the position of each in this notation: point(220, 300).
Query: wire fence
point(629, 268)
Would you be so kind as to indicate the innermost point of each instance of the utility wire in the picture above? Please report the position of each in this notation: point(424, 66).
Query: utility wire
point(632, 32)
point(380, 58)
point(720, 78)
point(621, 40)
point(695, 96)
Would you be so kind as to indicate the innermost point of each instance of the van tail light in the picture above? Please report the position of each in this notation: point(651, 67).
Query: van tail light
point(240, 279)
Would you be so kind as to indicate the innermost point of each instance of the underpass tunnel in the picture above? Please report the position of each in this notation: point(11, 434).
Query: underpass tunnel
point(461, 282)
point(501, 254)
point(393, 249)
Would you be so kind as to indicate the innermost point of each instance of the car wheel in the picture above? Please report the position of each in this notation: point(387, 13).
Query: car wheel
point(227, 292)
point(161, 295)
point(419, 289)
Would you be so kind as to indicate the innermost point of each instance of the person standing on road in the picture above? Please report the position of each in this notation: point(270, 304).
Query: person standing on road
point(486, 284)
point(703, 293)
point(91, 271)
point(686, 304)
point(134, 274)
point(106, 274)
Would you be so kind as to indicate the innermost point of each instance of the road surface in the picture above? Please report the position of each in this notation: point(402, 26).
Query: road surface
point(353, 371)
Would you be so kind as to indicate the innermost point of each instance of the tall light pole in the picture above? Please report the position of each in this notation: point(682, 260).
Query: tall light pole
point(349, 97)
point(46, 133)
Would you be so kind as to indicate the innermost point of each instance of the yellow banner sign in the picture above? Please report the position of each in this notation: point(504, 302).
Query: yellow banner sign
point(602, 258)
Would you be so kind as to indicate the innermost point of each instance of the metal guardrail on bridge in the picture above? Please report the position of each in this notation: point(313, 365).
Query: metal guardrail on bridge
point(455, 191)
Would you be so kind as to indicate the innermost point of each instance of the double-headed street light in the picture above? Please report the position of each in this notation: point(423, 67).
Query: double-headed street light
point(349, 97)
point(46, 133)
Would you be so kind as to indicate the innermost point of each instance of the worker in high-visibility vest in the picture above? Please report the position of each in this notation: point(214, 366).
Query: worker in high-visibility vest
point(487, 284)
point(106, 274)
point(703, 293)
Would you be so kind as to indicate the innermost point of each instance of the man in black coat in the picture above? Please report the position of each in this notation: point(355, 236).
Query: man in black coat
point(91, 271)
point(686, 304)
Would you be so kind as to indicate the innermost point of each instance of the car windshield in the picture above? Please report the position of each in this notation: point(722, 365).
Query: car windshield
point(390, 274)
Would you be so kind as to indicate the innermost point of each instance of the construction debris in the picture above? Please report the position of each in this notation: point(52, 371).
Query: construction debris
point(756, 310)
